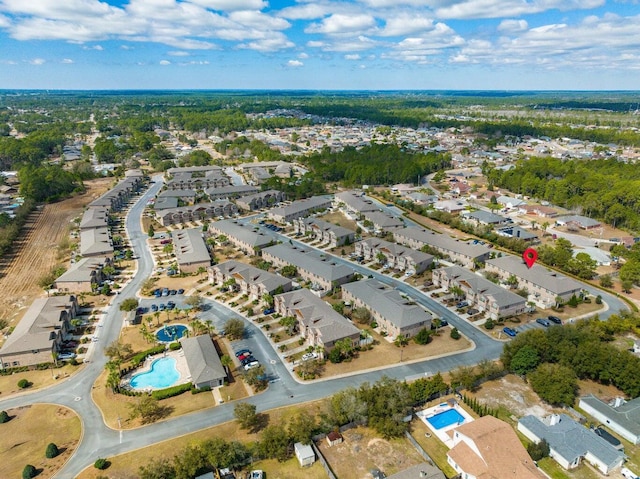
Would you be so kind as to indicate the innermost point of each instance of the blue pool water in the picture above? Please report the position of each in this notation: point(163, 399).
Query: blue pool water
point(163, 373)
point(171, 333)
point(446, 418)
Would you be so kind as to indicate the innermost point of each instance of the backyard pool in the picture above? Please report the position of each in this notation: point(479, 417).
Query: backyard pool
point(171, 333)
point(163, 373)
point(446, 418)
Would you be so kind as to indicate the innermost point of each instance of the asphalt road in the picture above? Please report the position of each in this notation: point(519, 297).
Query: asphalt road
point(100, 441)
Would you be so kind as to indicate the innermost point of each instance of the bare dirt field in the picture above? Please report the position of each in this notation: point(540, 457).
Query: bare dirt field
point(35, 254)
point(25, 438)
point(363, 450)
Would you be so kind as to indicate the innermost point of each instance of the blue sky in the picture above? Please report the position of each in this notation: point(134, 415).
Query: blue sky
point(320, 44)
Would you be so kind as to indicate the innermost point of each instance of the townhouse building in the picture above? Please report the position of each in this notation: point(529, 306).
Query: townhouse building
point(394, 313)
point(40, 332)
point(466, 254)
point(246, 238)
point(97, 217)
point(190, 249)
point(319, 324)
point(299, 209)
point(231, 191)
point(83, 276)
point(328, 233)
point(481, 293)
point(382, 221)
point(200, 211)
point(396, 256)
point(543, 284)
point(322, 272)
point(263, 199)
point(96, 242)
point(355, 202)
point(250, 280)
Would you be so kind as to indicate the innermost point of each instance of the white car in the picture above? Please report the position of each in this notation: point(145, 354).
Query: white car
point(251, 365)
point(66, 356)
point(309, 356)
point(256, 474)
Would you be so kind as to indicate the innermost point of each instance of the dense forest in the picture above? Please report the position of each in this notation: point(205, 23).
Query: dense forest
point(605, 189)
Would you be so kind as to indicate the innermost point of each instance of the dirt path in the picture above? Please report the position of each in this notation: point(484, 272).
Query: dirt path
point(35, 253)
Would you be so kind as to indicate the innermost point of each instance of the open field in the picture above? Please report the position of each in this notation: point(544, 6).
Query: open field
point(126, 465)
point(25, 437)
point(35, 254)
point(38, 378)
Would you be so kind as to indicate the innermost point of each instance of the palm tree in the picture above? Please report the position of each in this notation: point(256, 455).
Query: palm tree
point(157, 316)
point(226, 361)
point(456, 291)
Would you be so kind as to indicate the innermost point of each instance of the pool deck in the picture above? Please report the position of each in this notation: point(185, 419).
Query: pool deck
point(181, 366)
point(445, 434)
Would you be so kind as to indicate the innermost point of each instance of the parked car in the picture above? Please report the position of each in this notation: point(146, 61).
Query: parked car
point(472, 311)
point(251, 365)
point(256, 474)
point(242, 351)
point(173, 292)
point(309, 356)
point(555, 319)
point(154, 307)
point(269, 311)
point(543, 321)
point(171, 305)
point(180, 291)
point(509, 332)
point(462, 304)
point(157, 293)
point(165, 291)
point(246, 359)
point(66, 356)
point(161, 307)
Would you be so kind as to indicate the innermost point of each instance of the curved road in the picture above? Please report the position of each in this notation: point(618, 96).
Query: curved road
point(100, 441)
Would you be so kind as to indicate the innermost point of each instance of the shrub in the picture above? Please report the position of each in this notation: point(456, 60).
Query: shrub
point(101, 464)
point(598, 299)
point(23, 384)
point(4, 417)
point(423, 336)
point(175, 346)
point(52, 451)
point(489, 324)
point(138, 358)
point(28, 472)
point(171, 392)
point(538, 450)
point(455, 334)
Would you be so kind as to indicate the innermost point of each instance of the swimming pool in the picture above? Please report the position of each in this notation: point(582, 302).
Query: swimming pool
point(171, 333)
point(446, 418)
point(163, 373)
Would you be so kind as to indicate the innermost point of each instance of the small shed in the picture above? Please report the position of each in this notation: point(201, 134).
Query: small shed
point(333, 438)
point(304, 453)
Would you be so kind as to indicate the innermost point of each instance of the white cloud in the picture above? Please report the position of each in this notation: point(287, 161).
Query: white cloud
point(406, 24)
point(67, 61)
point(4, 22)
point(271, 44)
point(345, 45)
point(474, 9)
point(165, 62)
point(37, 61)
point(94, 47)
point(294, 63)
point(303, 55)
point(230, 5)
point(126, 47)
point(339, 24)
point(178, 53)
point(312, 11)
point(259, 20)
point(352, 57)
point(513, 26)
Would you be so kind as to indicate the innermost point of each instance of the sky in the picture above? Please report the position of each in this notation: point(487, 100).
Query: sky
point(320, 44)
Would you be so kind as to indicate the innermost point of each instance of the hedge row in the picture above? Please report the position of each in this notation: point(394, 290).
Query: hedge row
point(171, 392)
point(138, 358)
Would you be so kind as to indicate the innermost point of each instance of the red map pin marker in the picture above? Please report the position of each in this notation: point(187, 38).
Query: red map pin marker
point(530, 256)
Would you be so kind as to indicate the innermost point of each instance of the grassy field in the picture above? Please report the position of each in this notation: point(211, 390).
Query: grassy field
point(25, 437)
point(39, 379)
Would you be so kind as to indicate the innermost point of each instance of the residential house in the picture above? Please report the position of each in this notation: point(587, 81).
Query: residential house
point(200, 211)
point(394, 313)
point(488, 448)
point(203, 362)
point(467, 254)
point(83, 276)
point(395, 256)
point(319, 324)
point(509, 202)
point(245, 237)
point(330, 234)
point(321, 271)
point(250, 280)
point(190, 250)
point(299, 209)
point(257, 201)
point(40, 332)
point(538, 210)
point(516, 232)
point(544, 285)
point(231, 191)
point(481, 293)
point(451, 206)
point(424, 470)
point(570, 442)
point(578, 221)
point(622, 417)
point(485, 218)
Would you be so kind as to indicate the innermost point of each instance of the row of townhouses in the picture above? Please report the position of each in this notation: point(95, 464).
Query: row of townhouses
point(395, 256)
point(299, 209)
point(327, 233)
point(247, 238)
point(200, 211)
point(190, 249)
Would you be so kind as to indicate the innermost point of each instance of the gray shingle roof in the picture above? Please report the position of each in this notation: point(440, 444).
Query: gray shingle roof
point(572, 440)
point(387, 302)
point(627, 415)
point(202, 359)
point(502, 297)
point(444, 242)
point(252, 275)
point(189, 246)
point(321, 267)
point(356, 202)
point(243, 233)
